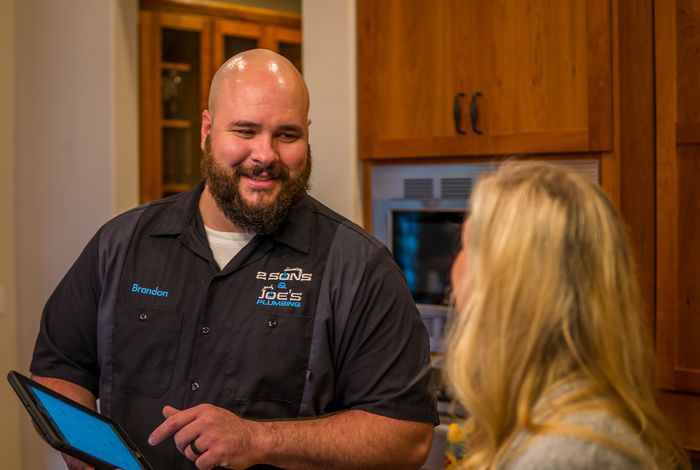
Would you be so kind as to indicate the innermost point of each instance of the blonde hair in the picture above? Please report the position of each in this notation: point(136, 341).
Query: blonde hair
point(551, 296)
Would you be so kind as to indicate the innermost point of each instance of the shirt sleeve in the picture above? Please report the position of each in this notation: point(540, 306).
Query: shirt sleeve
point(66, 346)
point(385, 360)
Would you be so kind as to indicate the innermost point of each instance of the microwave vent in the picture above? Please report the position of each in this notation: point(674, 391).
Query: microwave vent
point(456, 188)
point(418, 188)
point(436, 330)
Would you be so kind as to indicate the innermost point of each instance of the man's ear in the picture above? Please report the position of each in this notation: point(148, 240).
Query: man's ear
point(206, 128)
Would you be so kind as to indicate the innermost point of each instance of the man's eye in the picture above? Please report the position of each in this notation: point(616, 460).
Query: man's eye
point(245, 132)
point(288, 137)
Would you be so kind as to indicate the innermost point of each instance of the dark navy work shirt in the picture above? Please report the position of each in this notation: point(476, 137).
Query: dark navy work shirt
point(311, 320)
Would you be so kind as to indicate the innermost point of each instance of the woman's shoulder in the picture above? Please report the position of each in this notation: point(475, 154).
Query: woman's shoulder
point(576, 450)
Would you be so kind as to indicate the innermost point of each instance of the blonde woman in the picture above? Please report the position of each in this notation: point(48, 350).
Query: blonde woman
point(548, 351)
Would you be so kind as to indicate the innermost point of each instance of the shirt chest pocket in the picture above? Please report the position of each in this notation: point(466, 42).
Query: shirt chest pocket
point(267, 366)
point(145, 346)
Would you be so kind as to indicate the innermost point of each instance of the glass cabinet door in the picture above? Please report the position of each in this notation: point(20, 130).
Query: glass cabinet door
point(175, 61)
point(286, 41)
point(181, 103)
point(179, 53)
point(232, 37)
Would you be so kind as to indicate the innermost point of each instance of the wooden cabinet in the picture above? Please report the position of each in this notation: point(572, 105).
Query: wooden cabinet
point(182, 44)
point(612, 80)
point(468, 77)
point(677, 30)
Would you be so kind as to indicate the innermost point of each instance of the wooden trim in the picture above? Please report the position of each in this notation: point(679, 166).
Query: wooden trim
point(688, 133)
point(599, 75)
point(149, 135)
point(224, 10)
point(634, 141)
point(234, 28)
point(684, 413)
point(610, 163)
point(521, 143)
point(366, 89)
point(666, 191)
point(182, 22)
point(286, 35)
point(176, 123)
point(176, 66)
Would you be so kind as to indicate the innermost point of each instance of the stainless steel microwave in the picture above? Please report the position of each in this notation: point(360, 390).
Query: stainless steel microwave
point(417, 212)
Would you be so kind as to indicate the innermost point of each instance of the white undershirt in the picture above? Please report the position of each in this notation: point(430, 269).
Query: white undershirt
point(225, 245)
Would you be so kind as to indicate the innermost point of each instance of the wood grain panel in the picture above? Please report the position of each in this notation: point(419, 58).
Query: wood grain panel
point(688, 59)
point(149, 115)
point(688, 245)
point(218, 9)
point(635, 140)
point(666, 191)
point(532, 67)
point(519, 143)
point(684, 413)
point(678, 196)
point(241, 29)
point(543, 69)
point(688, 132)
point(598, 65)
point(405, 74)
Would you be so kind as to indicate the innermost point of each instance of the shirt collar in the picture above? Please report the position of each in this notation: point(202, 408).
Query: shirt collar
point(295, 231)
point(181, 214)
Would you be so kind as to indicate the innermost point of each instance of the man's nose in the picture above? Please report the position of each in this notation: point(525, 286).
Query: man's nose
point(264, 151)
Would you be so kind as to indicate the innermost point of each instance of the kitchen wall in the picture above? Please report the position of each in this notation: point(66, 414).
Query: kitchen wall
point(75, 150)
point(9, 406)
point(330, 70)
point(69, 154)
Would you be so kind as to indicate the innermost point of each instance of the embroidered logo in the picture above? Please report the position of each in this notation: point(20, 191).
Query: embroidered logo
point(279, 296)
point(148, 291)
point(288, 274)
point(279, 293)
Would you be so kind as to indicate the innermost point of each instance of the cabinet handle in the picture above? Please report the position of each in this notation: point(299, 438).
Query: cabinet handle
point(457, 113)
point(474, 111)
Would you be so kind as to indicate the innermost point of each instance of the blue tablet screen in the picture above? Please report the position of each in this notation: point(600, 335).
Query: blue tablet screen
point(87, 433)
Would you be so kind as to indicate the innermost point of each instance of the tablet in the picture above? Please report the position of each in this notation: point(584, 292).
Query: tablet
point(76, 430)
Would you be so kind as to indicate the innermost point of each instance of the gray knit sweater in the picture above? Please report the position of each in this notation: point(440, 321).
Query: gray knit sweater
point(562, 451)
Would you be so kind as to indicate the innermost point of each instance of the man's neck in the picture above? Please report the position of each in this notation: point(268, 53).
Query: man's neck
point(212, 215)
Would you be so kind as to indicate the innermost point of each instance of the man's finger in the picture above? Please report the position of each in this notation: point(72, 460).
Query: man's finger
point(172, 424)
point(168, 411)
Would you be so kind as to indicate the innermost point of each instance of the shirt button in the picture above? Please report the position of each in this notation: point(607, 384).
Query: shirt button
point(205, 330)
point(143, 317)
point(271, 323)
point(195, 386)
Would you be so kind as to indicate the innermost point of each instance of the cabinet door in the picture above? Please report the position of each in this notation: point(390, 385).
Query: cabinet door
point(542, 74)
point(174, 69)
point(678, 194)
point(286, 41)
point(406, 79)
point(464, 77)
point(232, 37)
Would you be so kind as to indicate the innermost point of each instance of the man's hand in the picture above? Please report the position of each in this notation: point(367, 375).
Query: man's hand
point(222, 438)
point(74, 464)
point(76, 393)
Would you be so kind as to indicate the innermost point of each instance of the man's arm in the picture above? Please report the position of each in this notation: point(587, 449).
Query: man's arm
point(350, 439)
point(76, 393)
point(69, 389)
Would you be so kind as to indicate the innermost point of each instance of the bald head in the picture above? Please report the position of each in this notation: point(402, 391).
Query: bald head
point(258, 68)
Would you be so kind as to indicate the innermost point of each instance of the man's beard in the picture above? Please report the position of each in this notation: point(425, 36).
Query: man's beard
point(224, 186)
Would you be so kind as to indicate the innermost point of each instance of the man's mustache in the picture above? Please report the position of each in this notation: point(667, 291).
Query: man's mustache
point(273, 171)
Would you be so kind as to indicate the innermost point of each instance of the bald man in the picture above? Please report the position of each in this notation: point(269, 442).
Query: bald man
point(243, 323)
